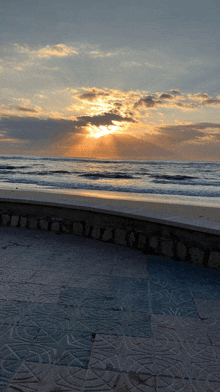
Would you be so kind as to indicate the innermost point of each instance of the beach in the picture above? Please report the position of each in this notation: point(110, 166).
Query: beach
point(109, 199)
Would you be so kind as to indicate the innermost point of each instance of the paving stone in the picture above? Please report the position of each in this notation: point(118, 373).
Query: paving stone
point(65, 348)
point(124, 323)
point(52, 277)
point(46, 378)
point(127, 295)
point(101, 317)
point(172, 298)
point(73, 296)
point(179, 329)
point(99, 282)
point(173, 384)
point(99, 380)
point(122, 353)
point(29, 292)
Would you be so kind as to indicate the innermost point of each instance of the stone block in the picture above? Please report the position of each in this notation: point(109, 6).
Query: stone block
point(132, 240)
point(77, 228)
point(196, 256)
point(167, 248)
point(55, 227)
point(5, 219)
point(120, 237)
point(14, 220)
point(65, 229)
point(87, 229)
point(33, 223)
point(23, 222)
point(214, 260)
point(153, 242)
point(181, 251)
point(96, 232)
point(44, 224)
point(107, 235)
point(142, 241)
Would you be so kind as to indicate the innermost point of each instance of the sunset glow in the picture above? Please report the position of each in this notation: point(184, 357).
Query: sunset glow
point(113, 77)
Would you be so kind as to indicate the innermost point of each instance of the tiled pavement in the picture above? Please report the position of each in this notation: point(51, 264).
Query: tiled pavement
point(81, 315)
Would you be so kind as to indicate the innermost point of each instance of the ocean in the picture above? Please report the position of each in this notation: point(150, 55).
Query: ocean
point(196, 183)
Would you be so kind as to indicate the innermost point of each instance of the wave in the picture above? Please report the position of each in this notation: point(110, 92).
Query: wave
point(53, 185)
point(177, 177)
point(10, 167)
point(106, 175)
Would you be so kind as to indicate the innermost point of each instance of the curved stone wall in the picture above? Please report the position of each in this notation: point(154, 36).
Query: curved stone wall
point(169, 238)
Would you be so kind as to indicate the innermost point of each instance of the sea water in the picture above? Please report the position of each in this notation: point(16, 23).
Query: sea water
point(195, 183)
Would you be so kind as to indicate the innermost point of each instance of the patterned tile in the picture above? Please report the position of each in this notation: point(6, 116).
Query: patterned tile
point(46, 378)
point(205, 291)
point(124, 324)
point(73, 296)
point(29, 292)
point(99, 381)
point(68, 348)
point(122, 354)
point(51, 277)
point(179, 329)
point(14, 345)
point(173, 384)
point(172, 298)
point(127, 295)
point(99, 282)
point(207, 308)
point(16, 274)
point(61, 319)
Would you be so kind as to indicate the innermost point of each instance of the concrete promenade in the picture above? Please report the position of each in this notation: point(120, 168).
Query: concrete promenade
point(81, 315)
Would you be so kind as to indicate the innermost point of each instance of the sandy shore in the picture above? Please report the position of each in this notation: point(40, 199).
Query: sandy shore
point(192, 211)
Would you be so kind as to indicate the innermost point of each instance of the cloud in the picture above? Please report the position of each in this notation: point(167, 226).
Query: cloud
point(92, 96)
point(166, 96)
point(176, 92)
point(24, 109)
point(175, 134)
point(60, 50)
point(102, 119)
point(148, 101)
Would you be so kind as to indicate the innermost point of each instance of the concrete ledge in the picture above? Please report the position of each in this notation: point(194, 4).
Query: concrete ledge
point(187, 239)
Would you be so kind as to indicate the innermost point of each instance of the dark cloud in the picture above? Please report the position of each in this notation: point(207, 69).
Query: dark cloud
point(211, 102)
point(177, 92)
point(149, 101)
point(102, 119)
point(166, 96)
point(188, 106)
point(92, 96)
point(33, 129)
point(118, 104)
point(24, 109)
point(175, 134)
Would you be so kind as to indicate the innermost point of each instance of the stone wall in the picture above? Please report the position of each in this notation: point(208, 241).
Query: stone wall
point(150, 237)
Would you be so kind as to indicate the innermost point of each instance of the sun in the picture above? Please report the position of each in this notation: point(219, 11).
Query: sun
point(102, 130)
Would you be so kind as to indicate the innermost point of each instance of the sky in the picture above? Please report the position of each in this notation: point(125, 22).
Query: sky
point(122, 79)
